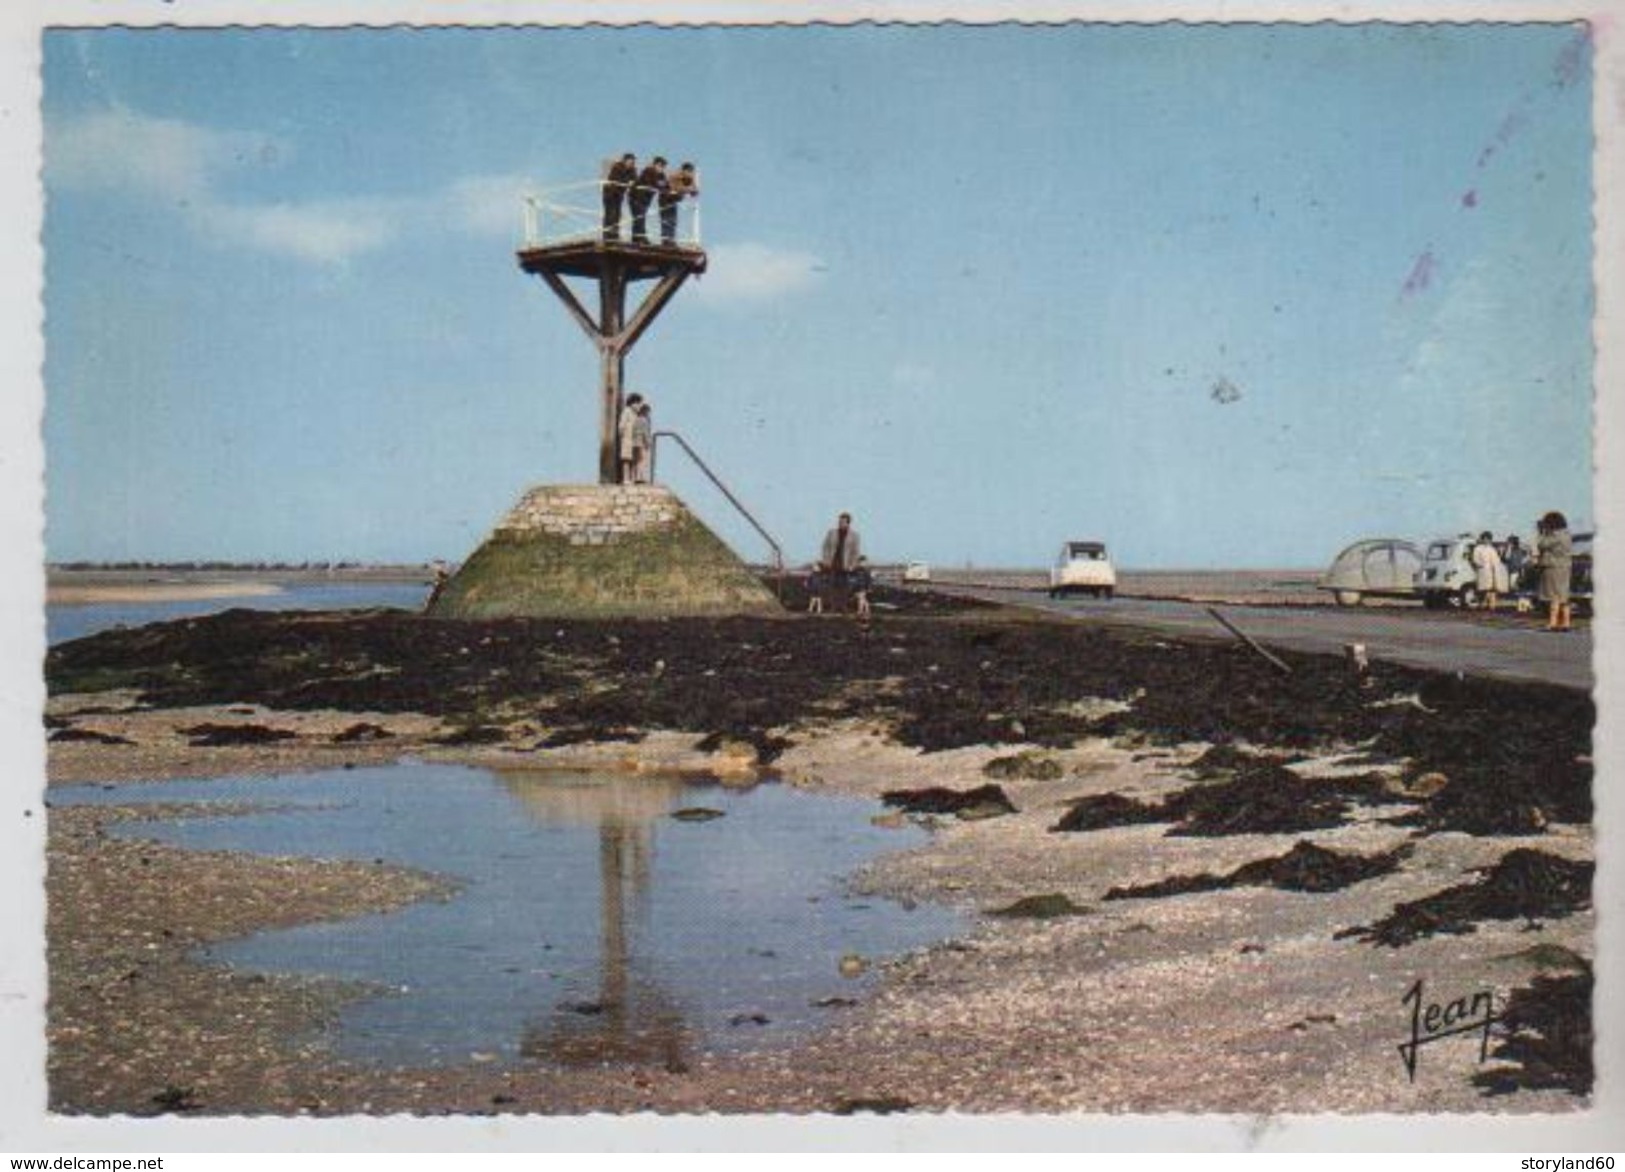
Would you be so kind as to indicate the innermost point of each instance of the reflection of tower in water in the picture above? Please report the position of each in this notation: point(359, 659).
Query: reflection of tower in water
point(632, 1020)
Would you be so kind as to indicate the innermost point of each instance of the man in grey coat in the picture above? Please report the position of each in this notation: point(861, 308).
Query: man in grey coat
point(839, 558)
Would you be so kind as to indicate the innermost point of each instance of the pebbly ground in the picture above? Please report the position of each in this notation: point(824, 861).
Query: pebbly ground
point(1441, 825)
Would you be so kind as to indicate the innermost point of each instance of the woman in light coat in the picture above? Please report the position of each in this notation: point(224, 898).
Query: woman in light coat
point(643, 443)
point(1554, 551)
point(1489, 571)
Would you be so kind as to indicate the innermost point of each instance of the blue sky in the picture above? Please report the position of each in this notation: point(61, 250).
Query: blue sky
point(1221, 295)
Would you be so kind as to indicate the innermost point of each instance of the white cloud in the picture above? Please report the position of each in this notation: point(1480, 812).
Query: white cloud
point(181, 162)
point(756, 272)
point(187, 165)
point(118, 149)
point(326, 232)
point(487, 205)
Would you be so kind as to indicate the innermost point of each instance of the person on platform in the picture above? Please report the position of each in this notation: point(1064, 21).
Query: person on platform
point(643, 444)
point(685, 184)
point(839, 558)
point(1488, 570)
point(626, 427)
point(617, 182)
point(651, 182)
point(1554, 551)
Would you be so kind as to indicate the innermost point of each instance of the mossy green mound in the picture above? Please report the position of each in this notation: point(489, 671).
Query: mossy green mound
point(599, 553)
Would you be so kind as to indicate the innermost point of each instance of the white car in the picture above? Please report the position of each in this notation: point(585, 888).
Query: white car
point(917, 572)
point(1083, 566)
point(1447, 576)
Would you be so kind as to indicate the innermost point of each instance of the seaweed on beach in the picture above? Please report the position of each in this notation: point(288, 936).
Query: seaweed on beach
point(587, 734)
point(473, 734)
point(1105, 810)
point(938, 799)
point(768, 746)
point(1524, 884)
point(361, 732)
point(90, 736)
point(1546, 1030)
point(1266, 799)
point(1516, 754)
point(235, 734)
point(1306, 867)
point(1050, 906)
point(1218, 760)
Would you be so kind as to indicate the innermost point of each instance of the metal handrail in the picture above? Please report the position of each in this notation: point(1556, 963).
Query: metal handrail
point(778, 551)
point(549, 220)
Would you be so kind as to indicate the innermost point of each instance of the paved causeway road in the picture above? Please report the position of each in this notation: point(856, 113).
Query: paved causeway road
point(1500, 645)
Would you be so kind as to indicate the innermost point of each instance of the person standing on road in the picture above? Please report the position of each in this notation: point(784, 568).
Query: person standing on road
point(622, 174)
point(1554, 551)
point(1516, 558)
point(1489, 572)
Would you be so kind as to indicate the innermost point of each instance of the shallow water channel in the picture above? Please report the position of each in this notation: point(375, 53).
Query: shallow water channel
point(66, 621)
point(590, 925)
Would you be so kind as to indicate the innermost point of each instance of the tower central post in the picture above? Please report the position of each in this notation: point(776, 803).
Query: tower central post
point(611, 322)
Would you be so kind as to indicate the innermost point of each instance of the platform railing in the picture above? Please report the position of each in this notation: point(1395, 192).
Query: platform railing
point(778, 551)
point(574, 214)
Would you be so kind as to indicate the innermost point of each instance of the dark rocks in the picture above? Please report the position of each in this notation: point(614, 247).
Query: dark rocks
point(1524, 884)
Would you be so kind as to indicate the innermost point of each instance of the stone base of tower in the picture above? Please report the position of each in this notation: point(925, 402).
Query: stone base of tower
point(602, 551)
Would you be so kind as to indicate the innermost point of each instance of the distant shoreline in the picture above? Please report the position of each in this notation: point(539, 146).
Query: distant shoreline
point(90, 586)
point(86, 587)
point(62, 594)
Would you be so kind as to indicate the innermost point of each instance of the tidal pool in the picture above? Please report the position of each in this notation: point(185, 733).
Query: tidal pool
point(590, 925)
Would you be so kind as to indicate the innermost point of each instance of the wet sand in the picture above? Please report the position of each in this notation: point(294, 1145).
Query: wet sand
point(1230, 1000)
point(78, 587)
point(86, 594)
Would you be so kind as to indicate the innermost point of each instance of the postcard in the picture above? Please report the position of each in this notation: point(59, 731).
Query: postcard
point(926, 576)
